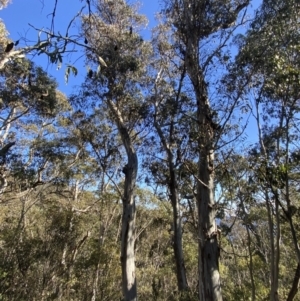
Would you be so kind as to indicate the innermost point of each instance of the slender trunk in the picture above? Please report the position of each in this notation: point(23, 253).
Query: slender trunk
point(177, 246)
point(251, 269)
point(174, 197)
point(129, 285)
point(277, 251)
point(274, 254)
point(274, 242)
point(296, 281)
point(194, 24)
point(272, 272)
point(295, 285)
point(95, 282)
point(209, 277)
point(250, 265)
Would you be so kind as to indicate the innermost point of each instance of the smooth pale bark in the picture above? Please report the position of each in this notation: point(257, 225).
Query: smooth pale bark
point(194, 24)
point(19, 53)
point(177, 243)
point(177, 226)
point(129, 285)
point(9, 56)
point(209, 277)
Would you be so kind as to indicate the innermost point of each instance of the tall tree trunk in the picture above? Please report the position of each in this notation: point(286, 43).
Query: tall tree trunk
point(251, 268)
point(209, 277)
point(294, 289)
point(182, 283)
point(274, 241)
point(195, 20)
point(128, 236)
point(274, 261)
point(177, 246)
point(129, 285)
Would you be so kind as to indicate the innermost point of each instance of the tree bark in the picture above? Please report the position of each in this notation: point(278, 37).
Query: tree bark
point(209, 277)
point(251, 268)
point(193, 24)
point(295, 286)
point(274, 260)
point(182, 283)
point(177, 246)
point(129, 285)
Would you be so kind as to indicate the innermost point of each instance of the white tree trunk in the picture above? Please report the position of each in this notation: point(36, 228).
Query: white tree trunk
point(178, 250)
point(209, 277)
point(128, 218)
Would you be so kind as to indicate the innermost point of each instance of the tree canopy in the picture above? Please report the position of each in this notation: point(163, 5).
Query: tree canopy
point(170, 172)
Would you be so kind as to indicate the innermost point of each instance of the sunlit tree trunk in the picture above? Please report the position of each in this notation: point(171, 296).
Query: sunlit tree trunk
point(177, 246)
point(129, 285)
point(194, 22)
point(209, 277)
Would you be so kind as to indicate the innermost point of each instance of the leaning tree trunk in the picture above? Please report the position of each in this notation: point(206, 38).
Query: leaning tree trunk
point(129, 286)
point(295, 286)
point(208, 257)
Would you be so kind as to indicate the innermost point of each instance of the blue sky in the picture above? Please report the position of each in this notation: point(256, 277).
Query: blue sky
point(20, 13)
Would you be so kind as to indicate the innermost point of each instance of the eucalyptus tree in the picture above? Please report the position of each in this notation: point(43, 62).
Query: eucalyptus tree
point(245, 229)
point(35, 156)
point(29, 100)
point(49, 173)
point(116, 57)
point(111, 32)
point(270, 56)
point(171, 107)
point(195, 21)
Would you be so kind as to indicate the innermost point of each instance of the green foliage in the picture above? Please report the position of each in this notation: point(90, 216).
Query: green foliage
point(61, 169)
point(28, 87)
